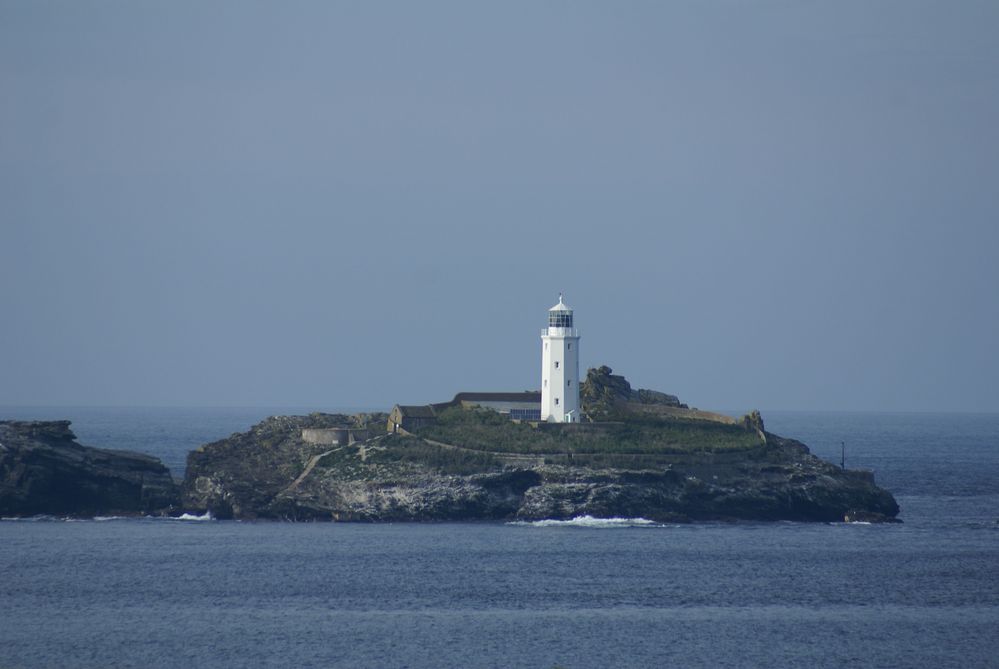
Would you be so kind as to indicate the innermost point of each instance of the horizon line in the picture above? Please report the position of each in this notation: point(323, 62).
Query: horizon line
point(370, 409)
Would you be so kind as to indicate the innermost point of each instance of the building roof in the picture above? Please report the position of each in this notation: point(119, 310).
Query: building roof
point(417, 411)
point(527, 396)
point(561, 306)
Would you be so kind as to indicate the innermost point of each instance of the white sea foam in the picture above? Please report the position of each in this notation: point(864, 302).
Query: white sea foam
point(190, 516)
point(590, 521)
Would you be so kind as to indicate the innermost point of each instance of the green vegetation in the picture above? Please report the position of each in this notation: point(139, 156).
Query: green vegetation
point(339, 457)
point(486, 430)
point(396, 449)
point(444, 460)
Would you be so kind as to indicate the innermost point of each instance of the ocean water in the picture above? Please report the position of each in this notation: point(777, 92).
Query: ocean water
point(585, 593)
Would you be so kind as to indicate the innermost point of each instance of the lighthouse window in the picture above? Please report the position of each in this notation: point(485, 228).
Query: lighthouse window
point(546, 383)
point(556, 401)
point(570, 347)
point(568, 382)
point(556, 364)
point(560, 319)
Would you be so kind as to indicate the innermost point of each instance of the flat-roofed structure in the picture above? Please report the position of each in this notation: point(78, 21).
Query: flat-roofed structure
point(519, 406)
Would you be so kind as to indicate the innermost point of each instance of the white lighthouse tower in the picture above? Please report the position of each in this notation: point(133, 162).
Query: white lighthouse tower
point(560, 367)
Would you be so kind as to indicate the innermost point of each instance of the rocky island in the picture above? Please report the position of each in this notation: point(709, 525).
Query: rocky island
point(640, 454)
point(575, 447)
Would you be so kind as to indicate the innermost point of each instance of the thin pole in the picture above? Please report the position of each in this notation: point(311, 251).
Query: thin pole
point(842, 462)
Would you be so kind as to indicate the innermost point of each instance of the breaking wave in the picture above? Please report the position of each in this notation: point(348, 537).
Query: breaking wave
point(589, 521)
point(190, 516)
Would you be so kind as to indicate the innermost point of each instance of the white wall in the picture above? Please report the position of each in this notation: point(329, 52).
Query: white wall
point(562, 382)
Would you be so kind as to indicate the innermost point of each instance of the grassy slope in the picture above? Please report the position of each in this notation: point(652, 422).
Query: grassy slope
point(640, 434)
point(399, 454)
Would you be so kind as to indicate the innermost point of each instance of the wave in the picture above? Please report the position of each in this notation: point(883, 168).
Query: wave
point(190, 516)
point(589, 521)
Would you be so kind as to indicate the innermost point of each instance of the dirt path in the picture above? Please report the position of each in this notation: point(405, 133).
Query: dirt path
point(362, 446)
point(308, 468)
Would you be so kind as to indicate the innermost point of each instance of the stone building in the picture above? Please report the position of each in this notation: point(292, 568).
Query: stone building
point(518, 406)
point(410, 417)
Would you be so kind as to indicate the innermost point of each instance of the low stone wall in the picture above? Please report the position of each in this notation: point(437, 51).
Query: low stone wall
point(334, 436)
point(327, 436)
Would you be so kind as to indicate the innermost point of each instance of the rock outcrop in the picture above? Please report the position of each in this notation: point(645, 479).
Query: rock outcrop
point(269, 472)
point(43, 470)
point(779, 481)
point(602, 390)
point(240, 477)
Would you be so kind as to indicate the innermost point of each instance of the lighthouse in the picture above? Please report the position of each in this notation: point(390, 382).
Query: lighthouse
point(560, 367)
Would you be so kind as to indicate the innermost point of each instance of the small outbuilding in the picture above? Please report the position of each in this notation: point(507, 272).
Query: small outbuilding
point(410, 417)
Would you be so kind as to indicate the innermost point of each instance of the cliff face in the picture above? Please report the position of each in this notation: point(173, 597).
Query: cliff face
point(43, 470)
point(240, 477)
point(780, 480)
point(270, 472)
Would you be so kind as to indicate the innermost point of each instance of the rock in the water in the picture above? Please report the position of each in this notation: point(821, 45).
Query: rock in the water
point(43, 470)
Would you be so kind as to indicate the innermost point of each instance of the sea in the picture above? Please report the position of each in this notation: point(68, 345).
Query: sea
point(585, 593)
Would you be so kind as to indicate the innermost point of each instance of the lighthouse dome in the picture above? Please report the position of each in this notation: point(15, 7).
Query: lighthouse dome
point(561, 306)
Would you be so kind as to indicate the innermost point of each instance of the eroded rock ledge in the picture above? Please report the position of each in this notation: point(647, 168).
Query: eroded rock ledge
point(43, 470)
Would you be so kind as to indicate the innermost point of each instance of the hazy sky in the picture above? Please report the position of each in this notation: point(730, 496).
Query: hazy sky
point(784, 205)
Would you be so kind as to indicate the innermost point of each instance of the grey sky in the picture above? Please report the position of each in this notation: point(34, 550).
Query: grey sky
point(771, 204)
